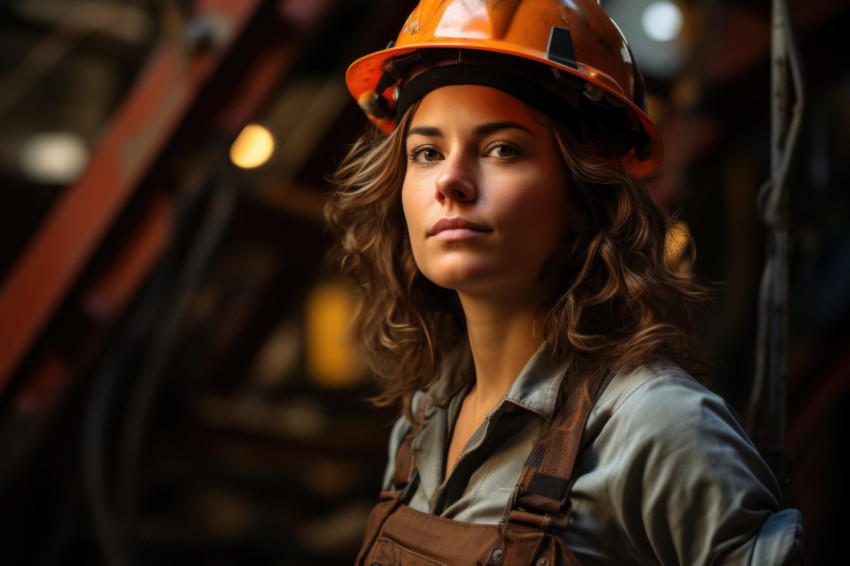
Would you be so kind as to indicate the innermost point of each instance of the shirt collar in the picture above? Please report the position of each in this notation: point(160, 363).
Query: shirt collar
point(537, 385)
point(535, 388)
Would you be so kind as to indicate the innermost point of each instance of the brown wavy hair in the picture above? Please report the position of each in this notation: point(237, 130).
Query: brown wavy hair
point(621, 300)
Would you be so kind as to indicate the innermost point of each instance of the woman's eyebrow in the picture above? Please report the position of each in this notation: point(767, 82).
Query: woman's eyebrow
point(425, 131)
point(489, 128)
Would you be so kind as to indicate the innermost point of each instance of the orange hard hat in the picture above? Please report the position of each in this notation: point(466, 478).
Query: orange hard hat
point(575, 39)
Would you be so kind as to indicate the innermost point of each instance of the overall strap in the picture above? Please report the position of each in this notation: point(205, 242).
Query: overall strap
point(404, 464)
point(541, 496)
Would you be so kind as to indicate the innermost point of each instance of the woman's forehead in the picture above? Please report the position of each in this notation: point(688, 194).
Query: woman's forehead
point(471, 104)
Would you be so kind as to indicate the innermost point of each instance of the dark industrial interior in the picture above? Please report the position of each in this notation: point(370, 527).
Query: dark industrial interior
point(177, 385)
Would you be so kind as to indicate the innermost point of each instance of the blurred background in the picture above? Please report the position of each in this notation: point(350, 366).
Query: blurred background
point(176, 381)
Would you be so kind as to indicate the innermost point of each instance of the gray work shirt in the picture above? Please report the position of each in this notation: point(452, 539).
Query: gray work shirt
point(665, 474)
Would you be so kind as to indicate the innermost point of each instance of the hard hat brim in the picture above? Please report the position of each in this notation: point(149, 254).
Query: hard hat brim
point(363, 75)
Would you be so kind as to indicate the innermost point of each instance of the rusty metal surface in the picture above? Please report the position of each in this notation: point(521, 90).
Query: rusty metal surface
point(163, 97)
point(77, 224)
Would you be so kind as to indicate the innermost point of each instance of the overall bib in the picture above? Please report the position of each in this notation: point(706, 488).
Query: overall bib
point(528, 533)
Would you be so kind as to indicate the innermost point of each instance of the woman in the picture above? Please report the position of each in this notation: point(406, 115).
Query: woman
point(517, 298)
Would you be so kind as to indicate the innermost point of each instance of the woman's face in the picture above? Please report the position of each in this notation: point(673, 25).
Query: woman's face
point(485, 193)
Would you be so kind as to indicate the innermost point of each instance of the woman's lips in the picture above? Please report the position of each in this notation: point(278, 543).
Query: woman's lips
point(456, 228)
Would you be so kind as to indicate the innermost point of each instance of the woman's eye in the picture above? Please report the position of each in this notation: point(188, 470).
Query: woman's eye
point(424, 154)
point(503, 150)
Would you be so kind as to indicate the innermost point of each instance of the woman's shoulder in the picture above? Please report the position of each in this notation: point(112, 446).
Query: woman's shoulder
point(663, 377)
point(656, 421)
point(668, 462)
point(657, 393)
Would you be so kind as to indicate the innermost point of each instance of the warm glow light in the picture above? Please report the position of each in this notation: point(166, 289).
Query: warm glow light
point(54, 157)
point(253, 147)
point(332, 358)
point(662, 21)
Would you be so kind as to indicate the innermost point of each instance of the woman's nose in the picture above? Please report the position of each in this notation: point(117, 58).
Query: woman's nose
point(456, 180)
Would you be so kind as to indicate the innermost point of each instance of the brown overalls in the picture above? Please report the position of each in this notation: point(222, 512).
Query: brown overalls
point(528, 531)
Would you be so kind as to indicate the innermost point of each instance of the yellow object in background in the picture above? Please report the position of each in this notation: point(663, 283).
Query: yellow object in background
point(332, 358)
point(253, 146)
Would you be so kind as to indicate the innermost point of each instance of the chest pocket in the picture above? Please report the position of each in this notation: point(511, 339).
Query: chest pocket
point(386, 553)
point(399, 535)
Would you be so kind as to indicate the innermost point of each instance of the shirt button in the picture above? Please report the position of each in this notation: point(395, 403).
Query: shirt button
point(498, 555)
point(543, 562)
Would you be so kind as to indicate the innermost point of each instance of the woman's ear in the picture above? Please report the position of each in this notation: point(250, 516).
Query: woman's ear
point(575, 216)
point(576, 220)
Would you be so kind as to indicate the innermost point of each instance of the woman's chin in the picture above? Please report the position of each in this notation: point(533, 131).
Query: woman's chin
point(471, 281)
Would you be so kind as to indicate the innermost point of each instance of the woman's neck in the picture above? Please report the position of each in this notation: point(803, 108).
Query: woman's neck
point(503, 335)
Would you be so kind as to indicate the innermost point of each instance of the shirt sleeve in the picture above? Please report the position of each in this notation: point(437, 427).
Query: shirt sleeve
point(690, 487)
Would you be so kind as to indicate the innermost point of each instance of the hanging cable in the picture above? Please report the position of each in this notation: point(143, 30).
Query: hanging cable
point(165, 335)
point(767, 412)
point(106, 529)
point(157, 314)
